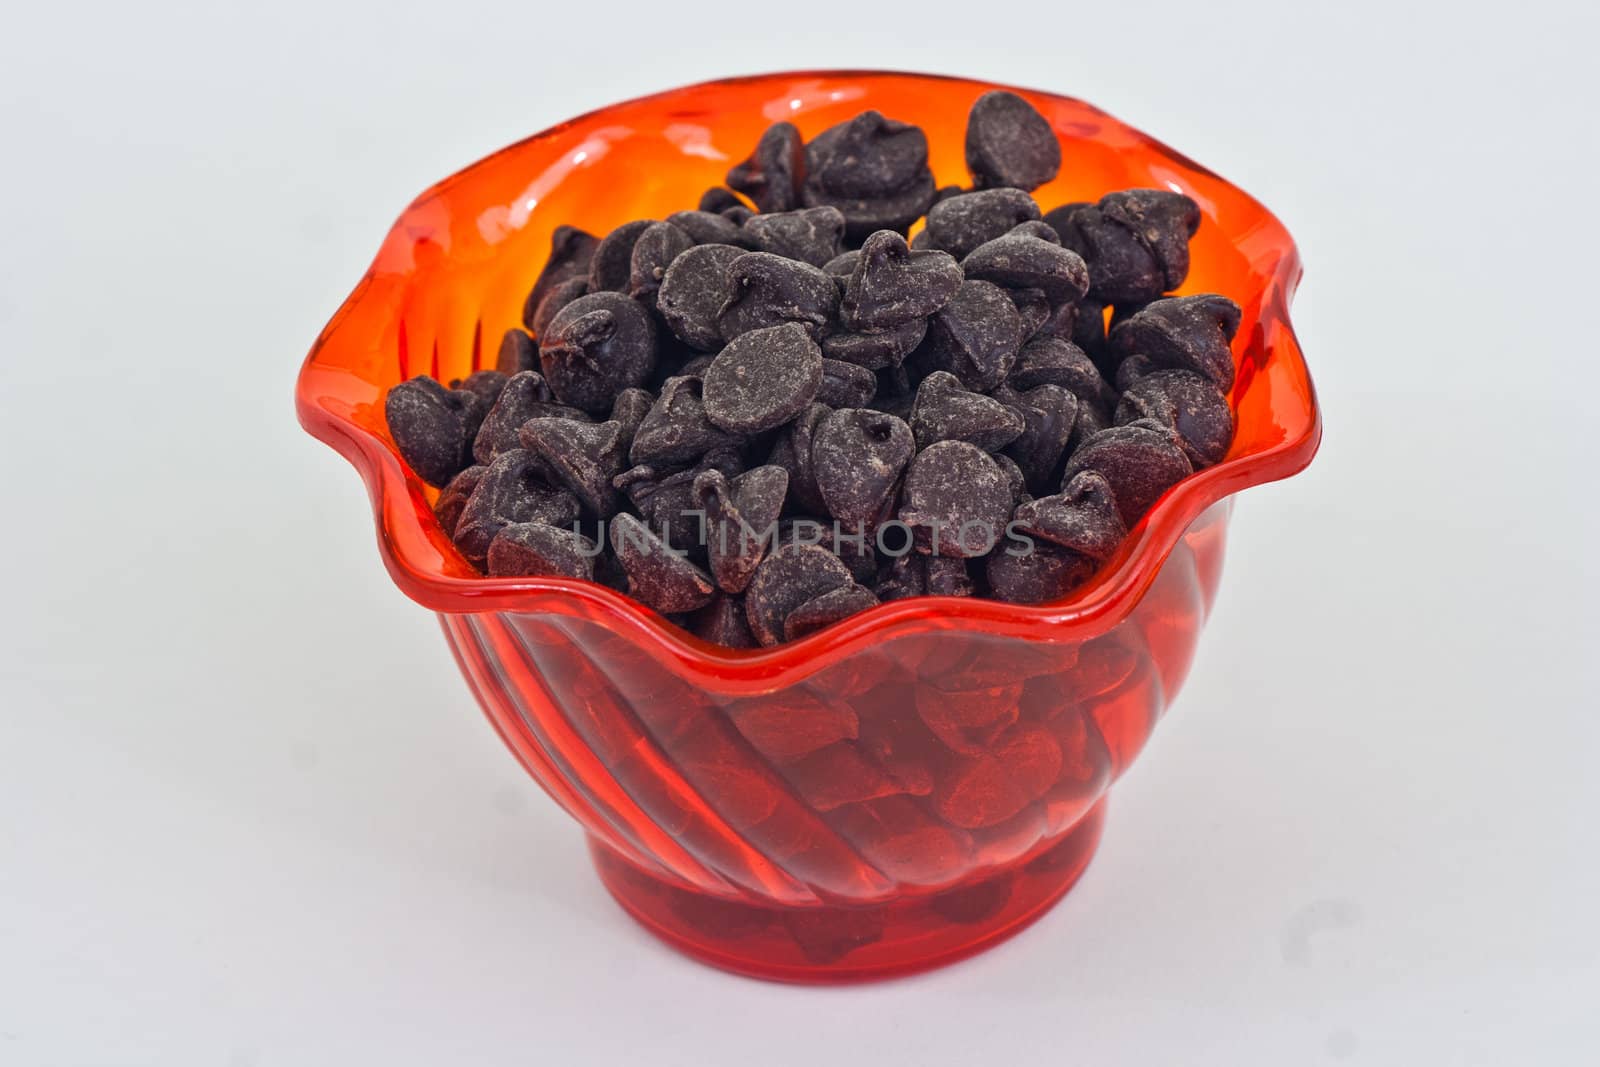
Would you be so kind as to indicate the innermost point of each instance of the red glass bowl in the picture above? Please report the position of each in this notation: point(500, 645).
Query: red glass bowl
point(896, 791)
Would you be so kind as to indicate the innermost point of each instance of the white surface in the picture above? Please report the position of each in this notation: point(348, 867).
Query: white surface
point(251, 815)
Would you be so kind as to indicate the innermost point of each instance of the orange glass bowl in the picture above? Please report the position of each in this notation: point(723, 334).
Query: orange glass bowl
point(898, 790)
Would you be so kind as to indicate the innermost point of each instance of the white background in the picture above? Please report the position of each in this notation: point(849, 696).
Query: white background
point(249, 815)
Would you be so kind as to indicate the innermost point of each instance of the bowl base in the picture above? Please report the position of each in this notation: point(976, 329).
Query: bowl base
point(850, 944)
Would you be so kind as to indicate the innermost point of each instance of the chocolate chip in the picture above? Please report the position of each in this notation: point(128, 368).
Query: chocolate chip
point(947, 576)
point(875, 351)
point(1049, 413)
point(1132, 369)
point(867, 156)
point(485, 384)
point(559, 296)
point(866, 215)
point(453, 498)
point(653, 253)
point(709, 229)
point(613, 257)
point(597, 345)
point(857, 456)
point(1014, 477)
point(722, 622)
point(842, 265)
point(1034, 308)
point(676, 429)
point(1009, 143)
point(790, 576)
point(1184, 333)
point(975, 336)
point(1038, 576)
point(1054, 360)
point(512, 490)
point(845, 385)
point(629, 410)
point(1141, 460)
point(962, 223)
point(767, 290)
point(518, 353)
point(433, 427)
point(534, 548)
point(1190, 404)
point(827, 609)
point(1135, 242)
point(1022, 262)
point(762, 379)
point(741, 519)
point(658, 577)
point(692, 293)
point(792, 452)
point(892, 285)
point(582, 457)
point(956, 500)
point(945, 411)
point(771, 176)
point(1035, 228)
point(571, 249)
point(1082, 517)
point(812, 235)
point(667, 502)
point(717, 199)
point(903, 577)
point(525, 396)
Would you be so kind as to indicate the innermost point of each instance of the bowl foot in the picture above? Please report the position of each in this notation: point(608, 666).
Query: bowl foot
point(846, 944)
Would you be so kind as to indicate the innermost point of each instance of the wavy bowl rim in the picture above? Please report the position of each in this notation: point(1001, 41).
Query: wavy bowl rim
point(1092, 609)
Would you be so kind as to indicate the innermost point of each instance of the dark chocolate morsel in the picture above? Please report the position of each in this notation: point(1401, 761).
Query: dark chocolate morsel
point(846, 385)
point(571, 249)
point(1049, 414)
point(790, 576)
point(653, 253)
point(583, 457)
point(741, 517)
point(512, 490)
point(1184, 333)
point(560, 295)
point(792, 452)
point(676, 429)
point(518, 352)
point(944, 410)
point(485, 383)
point(771, 176)
point(1135, 242)
point(1021, 262)
point(866, 215)
point(722, 622)
point(948, 576)
point(665, 498)
point(692, 292)
point(1163, 221)
point(536, 548)
point(597, 346)
point(1082, 517)
point(867, 156)
point(892, 285)
point(767, 290)
point(1190, 404)
point(876, 351)
point(827, 609)
point(433, 427)
point(956, 500)
point(762, 379)
point(613, 257)
point(709, 229)
point(453, 498)
point(525, 396)
point(975, 336)
point(718, 199)
point(1141, 460)
point(1038, 576)
point(857, 455)
point(629, 410)
point(811, 235)
point(962, 223)
point(1054, 360)
point(1009, 143)
point(658, 576)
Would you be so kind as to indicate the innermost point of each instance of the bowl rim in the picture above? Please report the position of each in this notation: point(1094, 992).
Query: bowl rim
point(1105, 600)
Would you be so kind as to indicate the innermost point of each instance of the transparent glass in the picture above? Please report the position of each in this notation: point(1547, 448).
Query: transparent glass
point(898, 790)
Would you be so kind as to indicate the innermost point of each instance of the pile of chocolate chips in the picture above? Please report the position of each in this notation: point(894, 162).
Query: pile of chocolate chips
point(768, 413)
